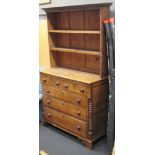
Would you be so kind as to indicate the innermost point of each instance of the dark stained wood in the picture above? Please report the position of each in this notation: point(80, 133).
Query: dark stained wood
point(92, 42)
point(62, 21)
point(51, 21)
point(63, 40)
point(77, 40)
point(92, 20)
point(93, 62)
point(72, 50)
point(88, 144)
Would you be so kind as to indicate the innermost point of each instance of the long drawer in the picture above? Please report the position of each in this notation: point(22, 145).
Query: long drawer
point(65, 121)
point(66, 96)
point(71, 109)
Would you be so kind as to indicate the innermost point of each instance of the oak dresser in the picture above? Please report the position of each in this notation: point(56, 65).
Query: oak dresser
point(75, 87)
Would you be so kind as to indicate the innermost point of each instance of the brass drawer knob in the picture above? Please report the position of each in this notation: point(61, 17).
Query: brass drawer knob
point(78, 113)
point(48, 101)
point(57, 83)
point(78, 100)
point(66, 86)
point(78, 127)
point(49, 115)
point(47, 91)
point(82, 90)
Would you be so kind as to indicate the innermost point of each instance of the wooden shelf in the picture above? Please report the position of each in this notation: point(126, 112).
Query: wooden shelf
point(74, 31)
point(75, 51)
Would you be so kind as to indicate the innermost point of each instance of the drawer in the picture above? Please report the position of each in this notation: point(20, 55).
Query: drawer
point(65, 121)
point(66, 96)
point(50, 81)
point(45, 80)
point(75, 88)
point(46, 89)
point(71, 109)
point(64, 85)
point(69, 97)
point(56, 83)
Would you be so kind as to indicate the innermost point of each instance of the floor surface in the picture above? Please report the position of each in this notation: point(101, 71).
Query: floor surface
point(56, 142)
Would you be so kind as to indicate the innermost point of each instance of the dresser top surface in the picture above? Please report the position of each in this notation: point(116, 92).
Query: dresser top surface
point(73, 75)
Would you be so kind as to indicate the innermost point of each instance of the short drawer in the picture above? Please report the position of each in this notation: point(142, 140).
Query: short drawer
point(45, 80)
point(65, 121)
point(60, 105)
point(56, 83)
point(75, 88)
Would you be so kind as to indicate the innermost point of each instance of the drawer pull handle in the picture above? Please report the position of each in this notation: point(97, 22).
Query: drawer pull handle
point(47, 91)
point(78, 100)
point(82, 90)
point(48, 101)
point(57, 83)
point(78, 113)
point(49, 115)
point(66, 86)
point(78, 127)
point(97, 58)
point(44, 80)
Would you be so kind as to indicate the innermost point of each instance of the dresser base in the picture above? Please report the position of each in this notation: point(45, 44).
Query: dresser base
point(77, 106)
point(88, 144)
point(44, 123)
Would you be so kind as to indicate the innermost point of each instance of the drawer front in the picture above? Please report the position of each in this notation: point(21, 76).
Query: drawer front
point(65, 121)
point(69, 97)
point(64, 85)
point(71, 109)
point(56, 83)
point(75, 99)
point(45, 80)
point(75, 88)
point(46, 89)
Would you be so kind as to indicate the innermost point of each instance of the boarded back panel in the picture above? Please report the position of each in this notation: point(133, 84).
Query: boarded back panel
point(93, 63)
point(77, 40)
point(92, 42)
point(92, 20)
point(63, 40)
